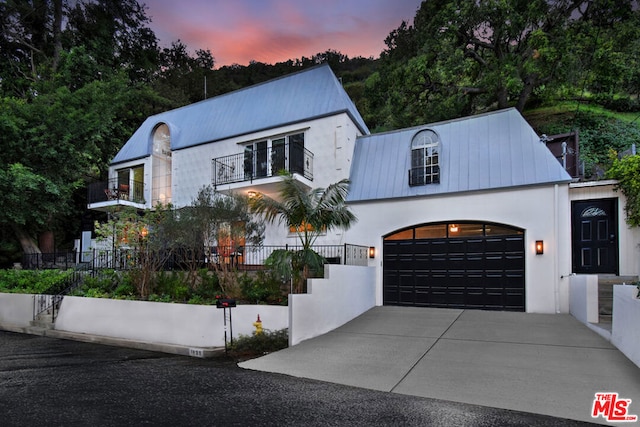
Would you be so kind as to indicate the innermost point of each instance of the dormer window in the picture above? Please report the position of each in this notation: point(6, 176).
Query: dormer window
point(425, 166)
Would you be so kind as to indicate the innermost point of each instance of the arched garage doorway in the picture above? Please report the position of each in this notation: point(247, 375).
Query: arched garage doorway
point(475, 265)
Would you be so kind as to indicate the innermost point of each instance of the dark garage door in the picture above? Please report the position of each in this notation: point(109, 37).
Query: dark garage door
point(461, 265)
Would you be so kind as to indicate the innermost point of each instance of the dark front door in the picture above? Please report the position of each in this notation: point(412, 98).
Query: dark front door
point(595, 236)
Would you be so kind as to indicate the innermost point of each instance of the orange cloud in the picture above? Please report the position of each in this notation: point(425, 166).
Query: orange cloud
point(272, 31)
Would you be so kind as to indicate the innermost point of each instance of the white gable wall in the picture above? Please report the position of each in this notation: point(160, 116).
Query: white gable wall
point(330, 139)
point(543, 212)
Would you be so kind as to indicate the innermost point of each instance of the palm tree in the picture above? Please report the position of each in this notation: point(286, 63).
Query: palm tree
point(308, 212)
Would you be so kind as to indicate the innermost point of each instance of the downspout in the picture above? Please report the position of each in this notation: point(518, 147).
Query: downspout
point(556, 220)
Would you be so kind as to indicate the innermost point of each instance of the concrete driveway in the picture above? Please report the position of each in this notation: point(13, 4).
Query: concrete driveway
point(547, 364)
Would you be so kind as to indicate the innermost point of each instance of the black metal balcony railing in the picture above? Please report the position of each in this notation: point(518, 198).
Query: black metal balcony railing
point(113, 190)
point(256, 164)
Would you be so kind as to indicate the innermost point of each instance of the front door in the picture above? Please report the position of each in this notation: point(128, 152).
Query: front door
point(595, 236)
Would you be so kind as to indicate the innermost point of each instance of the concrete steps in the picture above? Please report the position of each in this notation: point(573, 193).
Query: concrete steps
point(605, 294)
point(44, 321)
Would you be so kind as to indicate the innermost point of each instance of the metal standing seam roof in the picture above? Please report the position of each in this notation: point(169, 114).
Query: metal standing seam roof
point(306, 95)
point(484, 152)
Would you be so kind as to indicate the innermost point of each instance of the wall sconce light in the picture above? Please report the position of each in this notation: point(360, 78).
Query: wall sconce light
point(252, 194)
point(539, 247)
point(453, 228)
point(372, 252)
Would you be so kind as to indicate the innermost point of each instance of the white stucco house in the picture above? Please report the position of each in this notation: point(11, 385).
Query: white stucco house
point(472, 213)
point(304, 123)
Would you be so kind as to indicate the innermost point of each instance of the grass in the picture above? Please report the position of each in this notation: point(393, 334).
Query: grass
point(564, 112)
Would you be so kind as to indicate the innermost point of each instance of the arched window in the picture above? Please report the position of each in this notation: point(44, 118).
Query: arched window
point(425, 166)
point(161, 177)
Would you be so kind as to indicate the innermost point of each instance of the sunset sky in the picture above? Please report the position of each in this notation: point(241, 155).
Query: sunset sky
point(270, 31)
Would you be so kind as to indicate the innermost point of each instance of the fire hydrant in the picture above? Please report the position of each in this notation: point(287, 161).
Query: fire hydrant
point(258, 326)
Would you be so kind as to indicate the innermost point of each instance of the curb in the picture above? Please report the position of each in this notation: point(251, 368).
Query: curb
point(199, 352)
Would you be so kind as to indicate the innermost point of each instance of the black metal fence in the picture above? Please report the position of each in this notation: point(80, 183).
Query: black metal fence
point(239, 257)
point(56, 260)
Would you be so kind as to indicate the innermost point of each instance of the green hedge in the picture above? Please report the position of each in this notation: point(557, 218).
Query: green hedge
point(32, 281)
point(168, 286)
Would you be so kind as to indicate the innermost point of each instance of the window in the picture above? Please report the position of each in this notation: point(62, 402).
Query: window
point(269, 157)
point(130, 184)
point(255, 160)
point(304, 227)
point(425, 166)
point(451, 230)
point(161, 165)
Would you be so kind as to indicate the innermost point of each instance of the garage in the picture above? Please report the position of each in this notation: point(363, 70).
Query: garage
point(474, 265)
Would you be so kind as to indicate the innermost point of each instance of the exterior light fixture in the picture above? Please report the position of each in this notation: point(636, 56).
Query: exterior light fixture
point(252, 194)
point(453, 228)
point(372, 252)
point(539, 247)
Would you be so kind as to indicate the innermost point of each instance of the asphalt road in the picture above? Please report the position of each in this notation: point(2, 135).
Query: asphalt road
point(46, 381)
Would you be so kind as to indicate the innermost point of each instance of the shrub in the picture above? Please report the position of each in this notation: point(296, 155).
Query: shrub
point(180, 293)
point(208, 285)
point(617, 103)
point(159, 298)
point(265, 287)
point(167, 281)
point(246, 346)
point(95, 293)
point(126, 290)
point(105, 281)
point(197, 299)
point(33, 281)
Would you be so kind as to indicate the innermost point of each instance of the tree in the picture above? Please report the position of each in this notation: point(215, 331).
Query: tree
point(65, 137)
point(146, 242)
point(461, 56)
point(116, 34)
point(66, 105)
point(29, 200)
point(627, 171)
point(30, 43)
point(140, 243)
point(309, 213)
point(210, 230)
point(599, 135)
point(184, 78)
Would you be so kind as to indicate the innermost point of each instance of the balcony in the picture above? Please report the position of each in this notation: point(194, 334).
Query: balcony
point(105, 195)
point(255, 165)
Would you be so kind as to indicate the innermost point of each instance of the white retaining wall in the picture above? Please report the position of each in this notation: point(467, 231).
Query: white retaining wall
point(16, 309)
point(583, 298)
point(625, 329)
point(176, 324)
point(345, 293)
